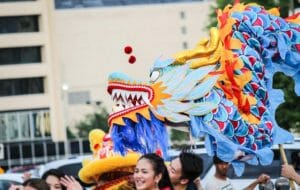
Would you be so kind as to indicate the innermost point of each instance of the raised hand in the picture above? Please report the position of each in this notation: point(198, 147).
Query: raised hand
point(70, 183)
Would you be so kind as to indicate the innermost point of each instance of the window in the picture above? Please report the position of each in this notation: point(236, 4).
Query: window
point(38, 150)
point(182, 14)
point(12, 125)
point(184, 45)
point(15, 151)
point(28, 153)
point(20, 55)
point(41, 124)
point(2, 127)
point(16, 24)
point(22, 86)
point(50, 146)
point(183, 30)
point(24, 125)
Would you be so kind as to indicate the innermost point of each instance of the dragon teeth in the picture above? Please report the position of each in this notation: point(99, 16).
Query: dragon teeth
point(145, 99)
point(126, 99)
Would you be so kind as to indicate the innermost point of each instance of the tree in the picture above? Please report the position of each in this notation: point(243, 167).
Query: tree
point(177, 135)
point(288, 113)
point(96, 120)
point(70, 134)
point(283, 5)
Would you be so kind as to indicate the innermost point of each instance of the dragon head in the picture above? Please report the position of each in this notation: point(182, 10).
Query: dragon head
point(168, 98)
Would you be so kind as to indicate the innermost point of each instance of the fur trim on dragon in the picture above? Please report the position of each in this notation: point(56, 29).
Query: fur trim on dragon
point(221, 89)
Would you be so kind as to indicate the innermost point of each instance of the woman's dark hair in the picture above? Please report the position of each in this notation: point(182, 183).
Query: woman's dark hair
point(159, 167)
point(192, 165)
point(38, 184)
point(54, 172)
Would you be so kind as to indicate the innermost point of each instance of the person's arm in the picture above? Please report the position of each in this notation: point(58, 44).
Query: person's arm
point(26, 176)
point(263, 178)
point(289, 172)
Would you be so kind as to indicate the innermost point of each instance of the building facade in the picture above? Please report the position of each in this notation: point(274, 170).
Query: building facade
point(29, 106)
point(55, 57)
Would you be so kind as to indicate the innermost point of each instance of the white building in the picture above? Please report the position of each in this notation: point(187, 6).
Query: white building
point(54, 60)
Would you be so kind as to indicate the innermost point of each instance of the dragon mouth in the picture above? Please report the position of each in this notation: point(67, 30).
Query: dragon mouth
point(128, 98)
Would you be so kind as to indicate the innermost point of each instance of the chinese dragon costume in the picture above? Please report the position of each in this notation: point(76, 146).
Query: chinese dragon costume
point(221, 89)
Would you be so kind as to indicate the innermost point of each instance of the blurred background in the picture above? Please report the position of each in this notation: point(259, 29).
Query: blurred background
point(55, 57)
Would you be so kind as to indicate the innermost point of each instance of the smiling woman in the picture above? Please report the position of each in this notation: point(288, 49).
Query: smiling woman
point(151, 173)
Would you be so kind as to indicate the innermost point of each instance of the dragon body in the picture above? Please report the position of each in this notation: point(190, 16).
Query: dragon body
point(221, 89)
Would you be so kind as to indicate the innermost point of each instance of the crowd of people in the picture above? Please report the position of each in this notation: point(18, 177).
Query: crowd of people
point(152, 173)
point(52, 179)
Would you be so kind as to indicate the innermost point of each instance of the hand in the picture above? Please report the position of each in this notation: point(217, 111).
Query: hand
point(197, 182)
point(70, 183)
point(263, 178)
point(15, 187)
point(26, 176)
point(288, 171)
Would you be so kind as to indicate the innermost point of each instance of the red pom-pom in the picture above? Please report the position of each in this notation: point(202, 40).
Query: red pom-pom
point(128, 49)
point(158, 152)
point(131, 59)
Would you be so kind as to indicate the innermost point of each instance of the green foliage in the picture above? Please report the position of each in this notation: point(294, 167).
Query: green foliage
point(288, 113)
point(268, 4)
point(97, 120)
point(70, 134)
point(177, 135)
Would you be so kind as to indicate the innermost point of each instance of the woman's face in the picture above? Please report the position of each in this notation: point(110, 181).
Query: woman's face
point(144, 176)
point(53, 182)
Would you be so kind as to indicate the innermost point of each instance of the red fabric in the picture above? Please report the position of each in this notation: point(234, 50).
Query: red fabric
point(158, 152)
point(236, 2)
point(297, 47)
point(292, 16)
point(258, 22)
point(223, 19)
point(226, 90)
point(229, 67)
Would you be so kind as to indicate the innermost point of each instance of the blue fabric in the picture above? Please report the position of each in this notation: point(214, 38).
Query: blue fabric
point(143, 136)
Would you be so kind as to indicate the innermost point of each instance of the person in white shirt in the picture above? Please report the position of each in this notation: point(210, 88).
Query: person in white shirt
point(220, 181)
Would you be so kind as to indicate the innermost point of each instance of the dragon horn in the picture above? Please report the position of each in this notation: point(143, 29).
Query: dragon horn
point(203, 49)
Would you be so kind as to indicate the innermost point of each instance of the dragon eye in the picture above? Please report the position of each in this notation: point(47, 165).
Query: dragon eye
point(154, 76)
